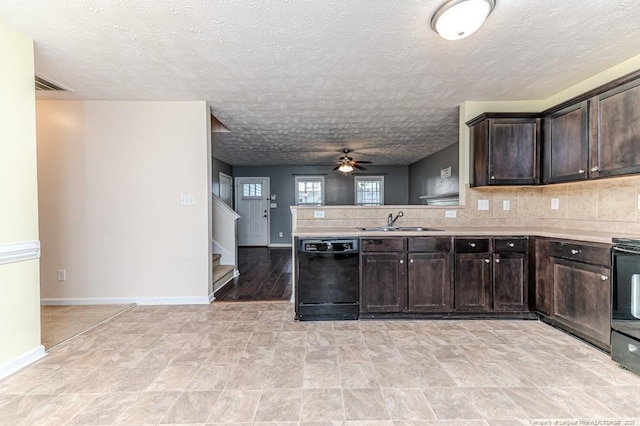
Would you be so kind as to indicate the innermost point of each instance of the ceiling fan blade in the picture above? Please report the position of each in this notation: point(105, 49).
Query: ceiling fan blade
point(359, 167)
point(336, 167)
point(363, 162)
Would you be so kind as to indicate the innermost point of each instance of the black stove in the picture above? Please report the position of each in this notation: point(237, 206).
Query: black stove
point(625, 303)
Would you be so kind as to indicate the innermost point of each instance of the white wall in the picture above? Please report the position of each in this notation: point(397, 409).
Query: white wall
point(111, 176)
point(19, 281)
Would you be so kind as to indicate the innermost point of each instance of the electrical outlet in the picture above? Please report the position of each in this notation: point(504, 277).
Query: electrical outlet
point(483, 204)
point(506, 205)
point(450, 213)
point(280, 234)
point(318, 214)
point(62, 275)
point(555, 203)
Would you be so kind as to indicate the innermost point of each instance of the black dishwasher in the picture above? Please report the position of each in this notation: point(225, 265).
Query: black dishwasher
point(327, 279)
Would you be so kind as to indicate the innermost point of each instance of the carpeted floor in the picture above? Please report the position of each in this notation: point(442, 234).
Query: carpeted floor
point(60, 323)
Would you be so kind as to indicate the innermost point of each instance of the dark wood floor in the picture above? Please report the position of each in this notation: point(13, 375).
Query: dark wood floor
point(265, 274)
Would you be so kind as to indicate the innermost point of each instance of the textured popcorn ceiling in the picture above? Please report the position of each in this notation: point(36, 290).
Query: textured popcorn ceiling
point(297, 80)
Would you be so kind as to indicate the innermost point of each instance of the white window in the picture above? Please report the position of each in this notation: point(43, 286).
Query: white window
point(369, 190)
point(309, 190)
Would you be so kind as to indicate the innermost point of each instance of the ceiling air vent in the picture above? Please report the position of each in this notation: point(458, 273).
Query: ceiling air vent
point(42, 84)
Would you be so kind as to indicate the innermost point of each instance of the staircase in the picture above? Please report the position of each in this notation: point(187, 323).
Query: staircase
point(222, 274)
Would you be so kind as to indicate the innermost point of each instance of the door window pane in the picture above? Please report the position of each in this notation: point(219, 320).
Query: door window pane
point(251, 191)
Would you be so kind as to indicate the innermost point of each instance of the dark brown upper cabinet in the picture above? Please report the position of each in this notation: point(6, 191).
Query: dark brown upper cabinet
point(505, 149)
point(615, 130)
point(565, 149)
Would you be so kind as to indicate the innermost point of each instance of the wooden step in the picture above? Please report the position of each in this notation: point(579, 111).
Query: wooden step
point(222, 274)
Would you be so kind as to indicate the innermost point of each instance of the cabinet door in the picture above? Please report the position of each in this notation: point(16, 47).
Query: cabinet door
point(566, 145)
point(541, 270)
point(509, 282)
point(582, 299)
point(514, 151)
point(429, 282)
point(472, 287)
point(382, 282)
point(617, 131)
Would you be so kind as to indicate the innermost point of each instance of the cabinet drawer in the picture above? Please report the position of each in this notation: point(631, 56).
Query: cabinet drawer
point(383, 244)
point(596, 255)
point(510, 244)
point(471, 245)
point(430, 244)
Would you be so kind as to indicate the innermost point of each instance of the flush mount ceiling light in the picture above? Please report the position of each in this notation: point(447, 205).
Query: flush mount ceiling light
point(458, 19)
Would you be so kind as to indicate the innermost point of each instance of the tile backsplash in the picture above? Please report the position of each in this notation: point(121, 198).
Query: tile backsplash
point(607, 205)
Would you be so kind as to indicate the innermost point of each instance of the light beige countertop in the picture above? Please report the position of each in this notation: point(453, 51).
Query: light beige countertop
point(570, 234)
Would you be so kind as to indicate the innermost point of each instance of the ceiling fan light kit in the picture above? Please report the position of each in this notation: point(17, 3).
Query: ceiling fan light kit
point(458, 19)
point(346, 164)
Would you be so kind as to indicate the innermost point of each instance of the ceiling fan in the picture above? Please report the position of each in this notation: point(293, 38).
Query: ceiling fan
point(346, 164)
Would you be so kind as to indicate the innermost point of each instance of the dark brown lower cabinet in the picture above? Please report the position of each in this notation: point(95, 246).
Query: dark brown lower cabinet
point(582, 299)
point(541, 272)
point(429, 282)
point(473, 282)
point(573, 288)
point(394, 278)
point(509, 278)
point(383, 283)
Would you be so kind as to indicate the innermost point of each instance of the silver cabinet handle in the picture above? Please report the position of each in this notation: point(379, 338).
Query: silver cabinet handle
point(411, 261)
point(492, 178)
point(512, 245)
point(497, 260)
point(574, 251)
point(604, 277)
point(487, 261)
point(595, 169)
point(472, 244)
point(401, 262)
point(581, 171)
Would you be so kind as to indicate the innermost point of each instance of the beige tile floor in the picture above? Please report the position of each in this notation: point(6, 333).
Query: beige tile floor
point(251, 363)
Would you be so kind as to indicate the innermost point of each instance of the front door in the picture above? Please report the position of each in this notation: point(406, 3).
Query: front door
point(252, 204)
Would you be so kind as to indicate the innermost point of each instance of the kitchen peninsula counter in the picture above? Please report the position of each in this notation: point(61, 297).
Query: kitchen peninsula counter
point(558, 233)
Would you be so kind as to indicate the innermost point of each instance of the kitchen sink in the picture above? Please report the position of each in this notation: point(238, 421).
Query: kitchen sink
point(400, 228)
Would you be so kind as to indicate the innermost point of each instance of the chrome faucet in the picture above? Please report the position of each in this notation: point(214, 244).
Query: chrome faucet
point(391, 220)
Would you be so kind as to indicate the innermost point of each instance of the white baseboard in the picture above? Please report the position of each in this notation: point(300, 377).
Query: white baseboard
point(128, 300)
point(278, 245)
point(22, 361)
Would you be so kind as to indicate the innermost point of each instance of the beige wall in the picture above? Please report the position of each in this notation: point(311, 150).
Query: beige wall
point(111, 176)
point(19, 281)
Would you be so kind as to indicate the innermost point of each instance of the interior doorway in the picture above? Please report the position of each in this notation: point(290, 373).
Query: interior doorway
point(252, 204)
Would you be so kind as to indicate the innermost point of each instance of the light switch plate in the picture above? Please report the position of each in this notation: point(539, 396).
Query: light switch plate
point(506, 205)
point(187, 200)
point(450, 213)
point(318, 214)
point(483, 204)
point(555, 203)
